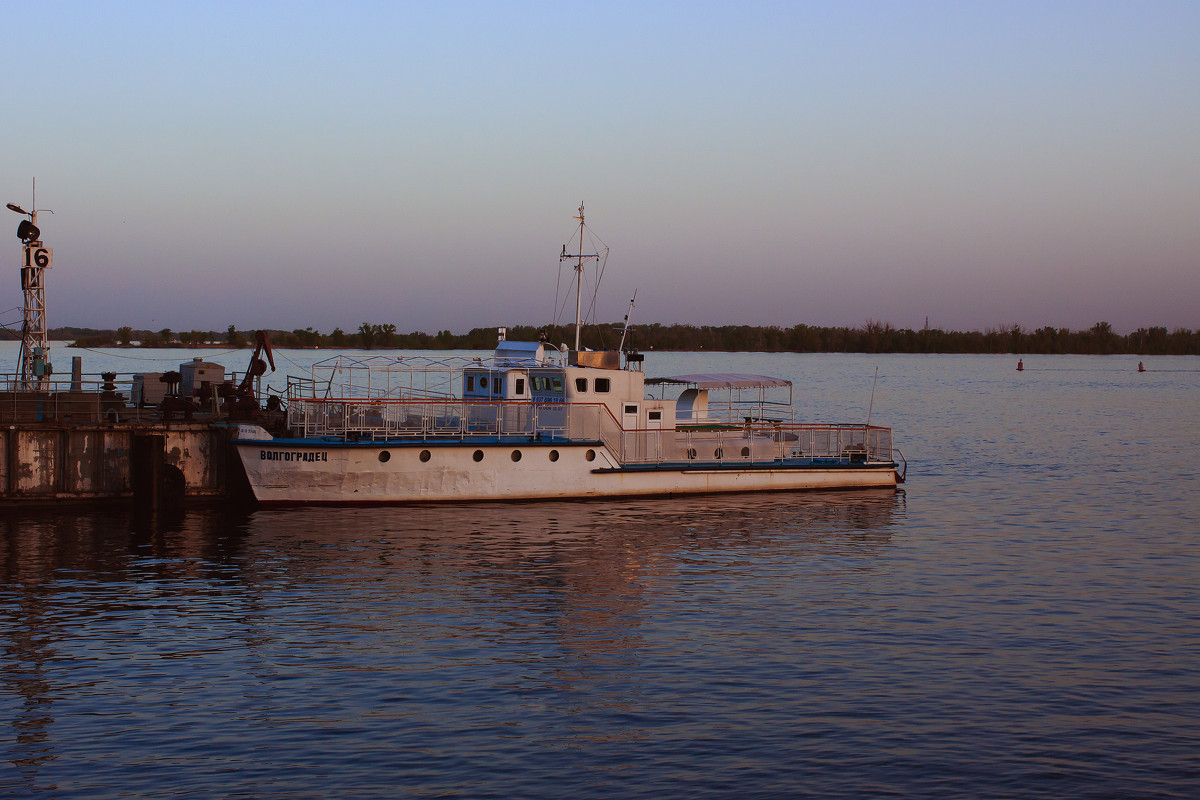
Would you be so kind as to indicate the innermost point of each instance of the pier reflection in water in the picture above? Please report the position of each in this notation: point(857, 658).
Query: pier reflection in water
point(443, 649)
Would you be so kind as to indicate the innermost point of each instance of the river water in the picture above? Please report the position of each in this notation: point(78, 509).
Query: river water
point(1023, 620)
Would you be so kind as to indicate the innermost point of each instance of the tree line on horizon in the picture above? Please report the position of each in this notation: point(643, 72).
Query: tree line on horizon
point(872, 337)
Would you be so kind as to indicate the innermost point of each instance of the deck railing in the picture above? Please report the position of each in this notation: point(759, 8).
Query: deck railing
point(752, 442)
point(87, 399)
point(90, 398)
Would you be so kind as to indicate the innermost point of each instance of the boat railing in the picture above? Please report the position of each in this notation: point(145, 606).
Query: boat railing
point(754, 442)
point(449, 419)
point(757, 443)
point(382, 377)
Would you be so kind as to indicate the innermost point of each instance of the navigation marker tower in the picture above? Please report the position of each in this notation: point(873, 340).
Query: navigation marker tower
point(34, 366)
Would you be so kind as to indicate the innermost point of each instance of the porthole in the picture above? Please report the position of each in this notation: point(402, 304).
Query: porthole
point(590, 455)
point(478, 456)
point(385, 456)
point(718, 453)
point(745, 452)
point(425, 455)
point(516, 455)
point(691, 452)
point(554, 455)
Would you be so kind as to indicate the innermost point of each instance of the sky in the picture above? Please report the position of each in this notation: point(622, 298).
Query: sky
point(315, 164)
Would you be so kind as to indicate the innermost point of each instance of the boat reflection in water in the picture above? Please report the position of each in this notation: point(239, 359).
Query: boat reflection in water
point(212, 542)
point(476, 615)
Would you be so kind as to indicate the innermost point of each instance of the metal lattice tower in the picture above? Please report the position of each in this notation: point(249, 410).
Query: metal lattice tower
point(36, 259)
point(35, 347)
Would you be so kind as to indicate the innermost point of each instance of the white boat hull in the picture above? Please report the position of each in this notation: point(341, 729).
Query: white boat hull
point(305, 472)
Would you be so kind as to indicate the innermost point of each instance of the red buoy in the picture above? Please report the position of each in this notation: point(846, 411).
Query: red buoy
point(1020, 365)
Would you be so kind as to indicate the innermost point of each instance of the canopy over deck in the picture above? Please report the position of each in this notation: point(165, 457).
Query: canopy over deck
point(723, 380)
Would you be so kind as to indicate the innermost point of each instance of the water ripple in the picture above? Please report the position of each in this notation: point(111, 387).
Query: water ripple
point(1022, 623)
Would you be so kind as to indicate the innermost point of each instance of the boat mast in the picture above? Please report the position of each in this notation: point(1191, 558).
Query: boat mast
point(579, 281)
point(580, 256)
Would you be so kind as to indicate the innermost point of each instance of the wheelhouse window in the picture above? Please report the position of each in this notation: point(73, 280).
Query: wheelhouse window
point(470, 383)
point(546, 384)
point(520, 387)
point(581, 384)
point(603, 385)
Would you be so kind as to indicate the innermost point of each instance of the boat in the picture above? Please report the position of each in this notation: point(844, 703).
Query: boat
point(536, 421)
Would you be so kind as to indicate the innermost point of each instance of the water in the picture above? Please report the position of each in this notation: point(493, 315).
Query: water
point(1022, 621)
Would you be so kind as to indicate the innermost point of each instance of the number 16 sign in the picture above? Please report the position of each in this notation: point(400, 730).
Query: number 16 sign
point(39, 257)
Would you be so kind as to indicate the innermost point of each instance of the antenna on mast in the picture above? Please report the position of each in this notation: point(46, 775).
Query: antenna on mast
point(871, 407)
point(625, 329)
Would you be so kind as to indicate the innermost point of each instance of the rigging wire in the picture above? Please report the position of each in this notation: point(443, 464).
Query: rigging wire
point(555, 311)
point(16, 321)
point(144, 358)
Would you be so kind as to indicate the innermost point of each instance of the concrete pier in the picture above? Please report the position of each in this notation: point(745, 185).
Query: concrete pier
point(51, 462)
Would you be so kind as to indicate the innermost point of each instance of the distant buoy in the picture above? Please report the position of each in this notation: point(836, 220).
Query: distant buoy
point(1020, 365)
point(1141, 367)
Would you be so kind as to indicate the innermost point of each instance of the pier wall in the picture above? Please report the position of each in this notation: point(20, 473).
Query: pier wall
point(51, 462)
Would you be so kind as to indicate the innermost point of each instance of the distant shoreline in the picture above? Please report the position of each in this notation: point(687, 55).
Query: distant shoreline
point(874, 337)
point(64, 343)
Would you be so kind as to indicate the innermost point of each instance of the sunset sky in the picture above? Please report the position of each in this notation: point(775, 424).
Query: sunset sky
point(286, 165)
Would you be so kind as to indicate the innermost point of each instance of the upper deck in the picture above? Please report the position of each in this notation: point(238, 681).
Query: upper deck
point(528, 392)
